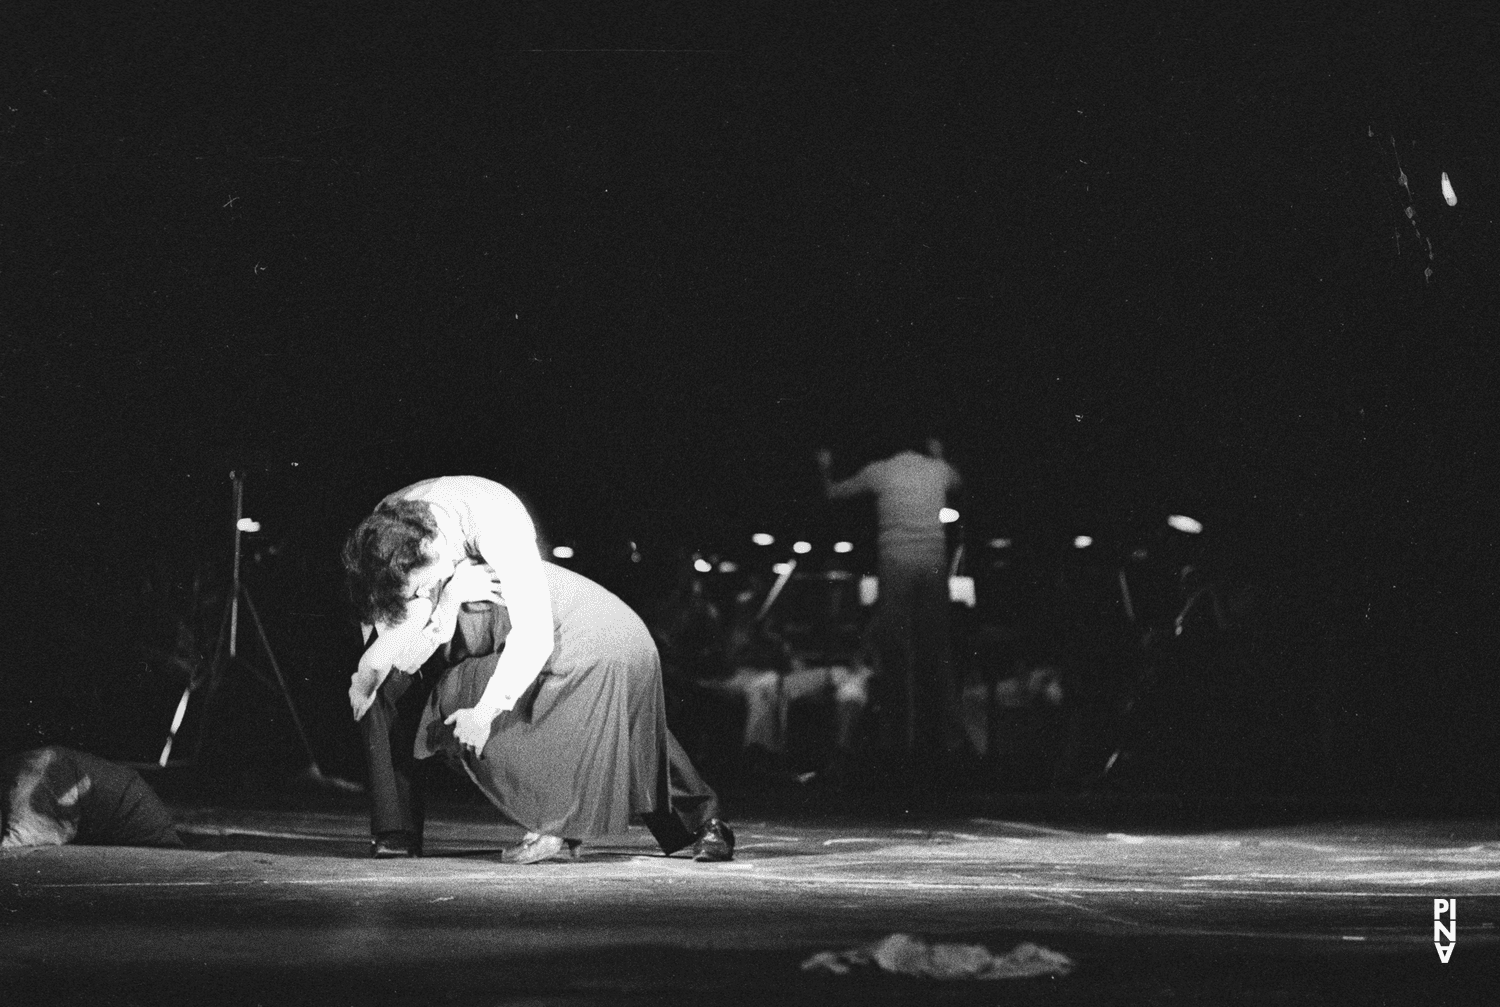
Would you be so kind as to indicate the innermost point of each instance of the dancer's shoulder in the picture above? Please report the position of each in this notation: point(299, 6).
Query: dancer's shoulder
point(454, 490)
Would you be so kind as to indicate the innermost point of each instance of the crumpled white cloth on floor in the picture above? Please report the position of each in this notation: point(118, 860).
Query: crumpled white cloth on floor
point(903, 954)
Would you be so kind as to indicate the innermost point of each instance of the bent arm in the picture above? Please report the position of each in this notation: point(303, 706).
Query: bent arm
point(506, 540)
point(404, 647)
point(854, 485)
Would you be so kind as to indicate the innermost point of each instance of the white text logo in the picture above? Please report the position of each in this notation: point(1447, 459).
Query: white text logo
point(1444, 935)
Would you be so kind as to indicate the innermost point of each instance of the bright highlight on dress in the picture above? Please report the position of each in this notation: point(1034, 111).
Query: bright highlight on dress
point(1449, 195)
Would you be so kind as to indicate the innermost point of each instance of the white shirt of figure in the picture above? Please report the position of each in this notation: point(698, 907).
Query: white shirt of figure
point(480, 519)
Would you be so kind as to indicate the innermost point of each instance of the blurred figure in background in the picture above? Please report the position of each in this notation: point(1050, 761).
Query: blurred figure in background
point(773, 675)
point(737, 683)
point(689, 629)
point(911, 488)
point(758, 659)
point(689, 633)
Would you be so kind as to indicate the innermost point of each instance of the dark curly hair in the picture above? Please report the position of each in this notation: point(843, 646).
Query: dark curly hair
point(380, 555)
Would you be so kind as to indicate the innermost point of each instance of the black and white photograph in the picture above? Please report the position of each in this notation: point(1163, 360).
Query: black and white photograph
point(767, 503)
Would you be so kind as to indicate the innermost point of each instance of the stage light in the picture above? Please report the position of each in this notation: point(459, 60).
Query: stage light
point(1000, 543)
point(1449, 195)
point(781, 568)
point(801, 548)
point(843, 547)
point(562, 551)
point(961, 591)
point(703, 566)
point(728, 566)
point(246, 524)
point(1082, 542)
point(947, 515)
point(763, 538)
point(1185, 524)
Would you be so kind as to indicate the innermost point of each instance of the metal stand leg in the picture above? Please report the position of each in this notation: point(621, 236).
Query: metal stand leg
point(229, 641)
point(280, 681)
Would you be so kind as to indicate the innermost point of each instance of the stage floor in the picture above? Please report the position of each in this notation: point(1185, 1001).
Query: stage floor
point(271, 907)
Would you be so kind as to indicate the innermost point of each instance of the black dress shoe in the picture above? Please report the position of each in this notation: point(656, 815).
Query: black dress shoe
point(715, 842)
point(395, 844)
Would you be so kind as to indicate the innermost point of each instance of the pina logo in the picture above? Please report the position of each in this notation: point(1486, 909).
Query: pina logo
point(1441, 931)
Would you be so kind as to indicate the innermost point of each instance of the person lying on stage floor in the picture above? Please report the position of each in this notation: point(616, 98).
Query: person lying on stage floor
point(543, 686)
point(54, 795)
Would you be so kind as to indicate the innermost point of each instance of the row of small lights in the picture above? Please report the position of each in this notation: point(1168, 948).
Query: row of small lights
point(800, 547)
point(1180, 522)
point(948, 515)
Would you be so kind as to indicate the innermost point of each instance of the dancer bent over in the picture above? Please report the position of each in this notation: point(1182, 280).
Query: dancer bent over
point(569, 749)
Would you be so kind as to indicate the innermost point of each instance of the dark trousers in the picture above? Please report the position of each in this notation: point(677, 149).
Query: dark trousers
point(689, 802)
point(389, 728)
point(684, 803)
point(917, 682)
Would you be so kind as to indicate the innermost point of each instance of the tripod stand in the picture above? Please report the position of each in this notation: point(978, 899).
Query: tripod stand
point(227, 656)
point(1156, 712)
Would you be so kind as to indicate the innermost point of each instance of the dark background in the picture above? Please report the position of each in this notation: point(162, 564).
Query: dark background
point(637, 262)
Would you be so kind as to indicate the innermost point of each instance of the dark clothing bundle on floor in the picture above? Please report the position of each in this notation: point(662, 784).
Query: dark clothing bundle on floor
point(56, 795)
